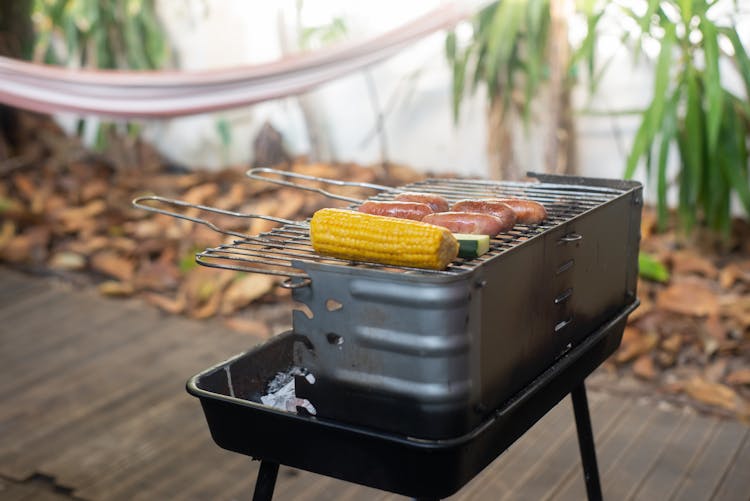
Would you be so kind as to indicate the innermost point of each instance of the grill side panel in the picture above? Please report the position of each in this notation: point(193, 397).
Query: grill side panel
point(541, 302)
point(397, 354)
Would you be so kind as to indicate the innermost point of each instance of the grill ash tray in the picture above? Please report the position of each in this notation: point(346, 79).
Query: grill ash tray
point(230, 396)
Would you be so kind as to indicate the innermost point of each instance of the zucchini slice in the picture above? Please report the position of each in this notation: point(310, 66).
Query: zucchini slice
point(471, 246)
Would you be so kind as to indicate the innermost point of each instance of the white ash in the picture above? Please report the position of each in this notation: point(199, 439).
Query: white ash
point(281, 394)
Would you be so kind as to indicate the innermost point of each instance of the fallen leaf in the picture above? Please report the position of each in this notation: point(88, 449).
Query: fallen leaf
point(158, 276)
point(25, 186)
point(112, 264)
point(94, 188)
point(688, 261)
point(737, 308)
point(672, 344)
point(739, 377)
point(174, 306)
point(644, 368)
point(689, 296)
point(116, 289)
point(716, 394)
point(201, 194)
point(666, 359)
point(716, 370)
point(738, 271)
point(28, 247)
point(245, 290)
point(635, 345)
point(67, 261)
point(7, 232)
point(248, 326)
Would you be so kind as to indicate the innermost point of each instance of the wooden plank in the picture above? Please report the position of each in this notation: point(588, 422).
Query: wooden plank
point(147, 468)
point(736, 482)
point(667, 472)
point(66, 346)
point(137, 425)
point(95, 384)
point(609, 450)
point(524, 453)
point(704, 477)
point(14, 288)
point(563, 460)
point(65, 316)
point(623, 477)
point(70, 392)
point(30, 304)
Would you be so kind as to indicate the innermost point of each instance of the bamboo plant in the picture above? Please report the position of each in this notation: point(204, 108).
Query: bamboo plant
point(516, 49)
point(691, 110)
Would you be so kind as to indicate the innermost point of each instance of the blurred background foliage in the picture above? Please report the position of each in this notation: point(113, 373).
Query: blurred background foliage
point(692, 113)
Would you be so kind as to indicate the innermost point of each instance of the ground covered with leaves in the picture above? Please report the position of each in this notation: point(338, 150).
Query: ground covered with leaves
point(66, 211)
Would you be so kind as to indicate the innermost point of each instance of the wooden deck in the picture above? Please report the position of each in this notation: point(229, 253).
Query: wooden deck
point(93, 407)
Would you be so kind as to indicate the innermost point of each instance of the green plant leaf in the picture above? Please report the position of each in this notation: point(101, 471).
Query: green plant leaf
point(742, 59)
point(735, 150)
point(712, 83)
point(668, 133)
point(686, 10)
point(450, 46)
point(692, 151)
point(651, 269)
point(653, 116)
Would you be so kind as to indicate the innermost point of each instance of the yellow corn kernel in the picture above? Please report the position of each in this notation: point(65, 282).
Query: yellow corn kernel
point(356, 236)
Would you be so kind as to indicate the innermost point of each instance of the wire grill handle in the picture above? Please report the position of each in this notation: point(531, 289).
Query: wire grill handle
point(204, 257)
point(256, 174)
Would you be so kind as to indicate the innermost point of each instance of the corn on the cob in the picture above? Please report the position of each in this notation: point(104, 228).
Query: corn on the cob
point(356, 236)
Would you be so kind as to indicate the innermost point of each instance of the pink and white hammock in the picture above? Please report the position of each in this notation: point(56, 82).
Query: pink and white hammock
point(155, 94)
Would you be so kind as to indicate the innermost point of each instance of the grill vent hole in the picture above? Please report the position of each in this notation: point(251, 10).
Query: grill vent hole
point(333, 305)
point(334, 339)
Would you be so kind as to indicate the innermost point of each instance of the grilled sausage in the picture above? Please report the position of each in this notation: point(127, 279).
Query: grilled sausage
point(527, 211)
point(488, 206)
point(468, 222)
point(401, 210)
point(436, 202)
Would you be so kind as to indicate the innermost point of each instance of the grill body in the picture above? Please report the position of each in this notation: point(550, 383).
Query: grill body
point(432, 355)
point(422, 468)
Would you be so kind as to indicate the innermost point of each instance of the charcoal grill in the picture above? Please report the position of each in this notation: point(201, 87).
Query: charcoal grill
point(444, 368)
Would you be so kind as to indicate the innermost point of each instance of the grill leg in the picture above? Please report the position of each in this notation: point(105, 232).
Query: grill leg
point(266, 481)
point(586, 442)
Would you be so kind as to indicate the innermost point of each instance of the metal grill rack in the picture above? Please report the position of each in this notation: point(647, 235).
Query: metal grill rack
point(276, 251)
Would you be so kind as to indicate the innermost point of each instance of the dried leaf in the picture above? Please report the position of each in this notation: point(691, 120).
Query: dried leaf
point(25, 186)
point(635, 344)
point(169, 305)
point(157, 276)
point(644, 368)
point(716, 370)
point(732, 273)
point(738, 309)
point(28, 247)
point(716, 394)
point(201, 288)
point(672, 344)
point(201, 194)
point(245, 290)
point(7, 232)
point(112, 264)
point(689, 296)
point(94, 188)
point(67, 261)
point(689, 262)
point(116, 289)
point(248, 326)
point(739, 377)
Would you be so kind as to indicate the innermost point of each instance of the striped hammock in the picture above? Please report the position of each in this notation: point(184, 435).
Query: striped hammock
point(155, 94)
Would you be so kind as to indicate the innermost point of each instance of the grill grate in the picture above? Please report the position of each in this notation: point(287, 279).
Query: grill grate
point(274, 252)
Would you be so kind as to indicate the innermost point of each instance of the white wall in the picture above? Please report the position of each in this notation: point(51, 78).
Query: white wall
point(413, 87)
